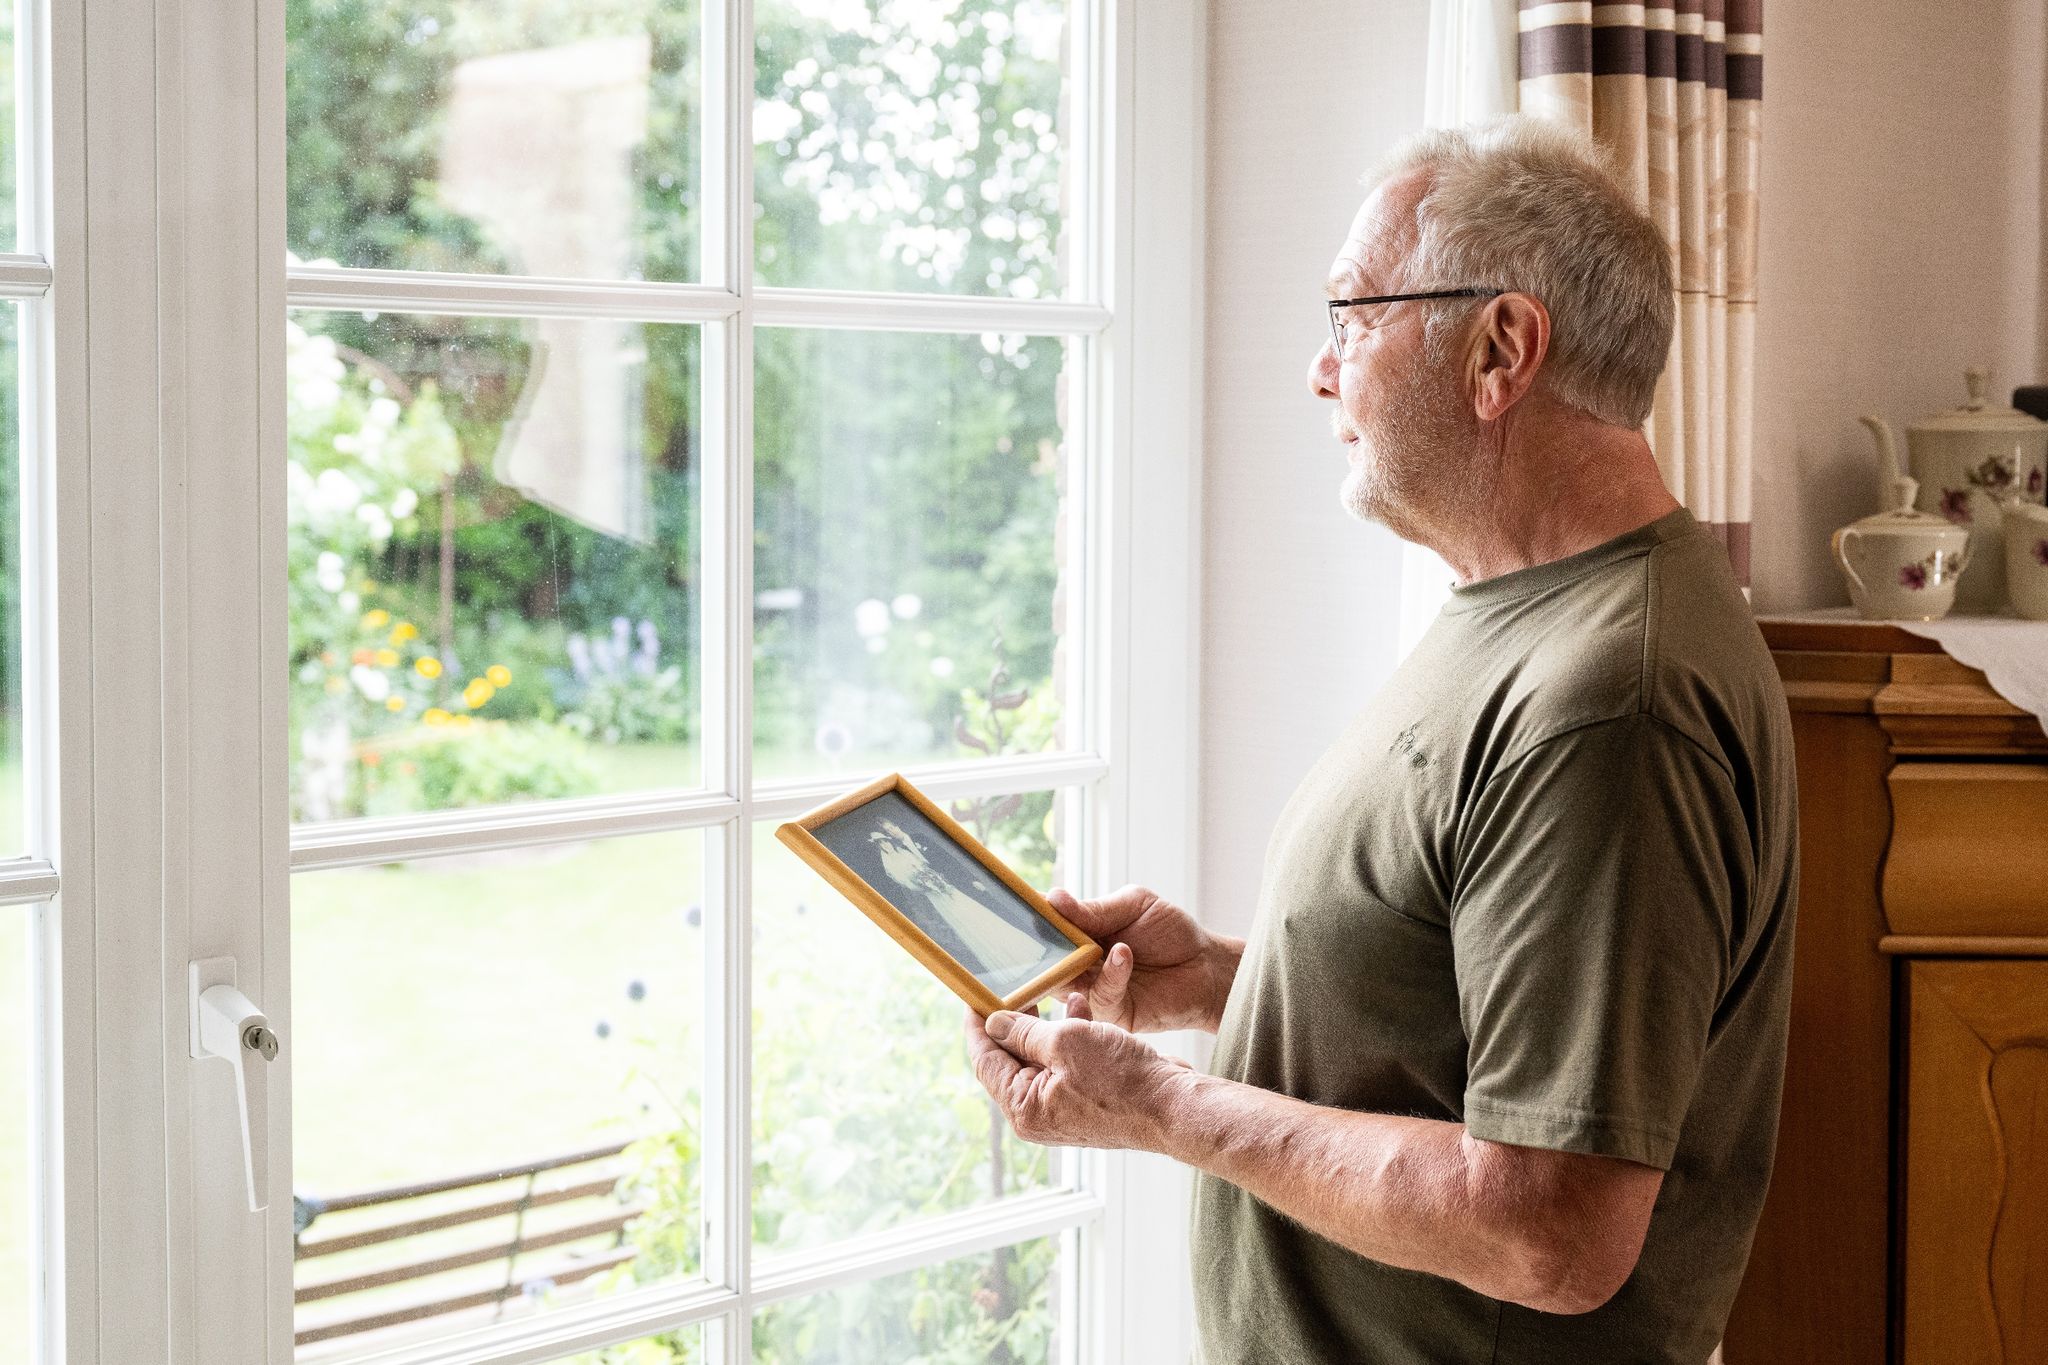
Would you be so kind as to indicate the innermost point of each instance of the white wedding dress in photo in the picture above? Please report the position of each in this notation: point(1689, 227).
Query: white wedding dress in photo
point(1008, 957)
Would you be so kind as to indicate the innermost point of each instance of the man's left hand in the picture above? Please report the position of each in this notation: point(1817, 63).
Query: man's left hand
point(1075, 1082)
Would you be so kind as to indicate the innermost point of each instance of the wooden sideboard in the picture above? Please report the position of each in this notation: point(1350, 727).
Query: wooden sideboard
point(1908, 1212)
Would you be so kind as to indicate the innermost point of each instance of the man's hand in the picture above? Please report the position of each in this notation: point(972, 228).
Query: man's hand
point(1074, 1082)
point(1161, 970)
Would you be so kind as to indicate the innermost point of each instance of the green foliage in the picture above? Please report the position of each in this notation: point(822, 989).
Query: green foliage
point(439, 766)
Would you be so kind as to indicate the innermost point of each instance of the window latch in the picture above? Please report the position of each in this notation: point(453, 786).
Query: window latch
point(228, 1026)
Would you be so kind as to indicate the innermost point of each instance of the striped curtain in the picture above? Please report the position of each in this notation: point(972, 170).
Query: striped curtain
point(1673, 92)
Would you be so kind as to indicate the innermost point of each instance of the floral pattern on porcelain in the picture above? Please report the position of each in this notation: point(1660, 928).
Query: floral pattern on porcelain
point(2041, 552)
point(1940, 566)
point(1996, 474)
point(1955, 505)
point(2034, 481)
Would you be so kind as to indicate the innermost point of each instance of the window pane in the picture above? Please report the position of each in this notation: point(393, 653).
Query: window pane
point(684, 1346)
point(494, 560)
point(998, 1306)
point(497, 1027)
point(9, 236)
point(911, 145)
point(555, 137)
point(908, 492)
point(17, 1233)
point(895, 1127)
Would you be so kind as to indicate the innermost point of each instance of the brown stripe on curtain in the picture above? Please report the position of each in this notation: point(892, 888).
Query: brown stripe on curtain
point(1674, 95)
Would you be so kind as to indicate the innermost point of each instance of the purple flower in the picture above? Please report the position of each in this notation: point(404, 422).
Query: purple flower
point(1955, 505)
point(1913, 576)
point(2034, 478)
point(2041, 552)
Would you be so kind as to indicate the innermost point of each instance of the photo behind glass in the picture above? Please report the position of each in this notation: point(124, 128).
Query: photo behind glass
point(551, 137)
point(909, 498)
point(517, 1032)
point(896, 1128)
point(946, 891)
point(912, 145)
point(495, 560)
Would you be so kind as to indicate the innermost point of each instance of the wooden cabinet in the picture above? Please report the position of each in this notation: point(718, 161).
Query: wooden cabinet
point(1907, 1219)
point(1974, 1234)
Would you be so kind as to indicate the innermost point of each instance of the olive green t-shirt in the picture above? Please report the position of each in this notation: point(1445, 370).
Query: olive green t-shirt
point(1542, 886)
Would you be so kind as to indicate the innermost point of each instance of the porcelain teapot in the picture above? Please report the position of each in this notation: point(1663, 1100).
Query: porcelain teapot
point(1969, 462)
point(1902, 564)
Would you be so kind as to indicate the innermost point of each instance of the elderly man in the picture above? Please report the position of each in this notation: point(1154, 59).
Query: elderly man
point(1497, 1073)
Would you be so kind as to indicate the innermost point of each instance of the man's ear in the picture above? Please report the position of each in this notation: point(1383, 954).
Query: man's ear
point(1512, 340)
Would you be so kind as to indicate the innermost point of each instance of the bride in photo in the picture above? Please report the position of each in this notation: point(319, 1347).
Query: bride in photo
point(1003, 956)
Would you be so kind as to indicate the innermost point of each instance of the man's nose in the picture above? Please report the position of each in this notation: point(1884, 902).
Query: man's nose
point(1322, 371)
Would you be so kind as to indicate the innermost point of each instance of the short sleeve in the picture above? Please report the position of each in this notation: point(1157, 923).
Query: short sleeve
point(1600, 880)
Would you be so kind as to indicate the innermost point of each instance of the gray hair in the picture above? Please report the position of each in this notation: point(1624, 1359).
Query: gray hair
point(1527, 204)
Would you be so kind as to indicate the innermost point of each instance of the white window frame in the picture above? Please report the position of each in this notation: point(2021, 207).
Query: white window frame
point(163, 209)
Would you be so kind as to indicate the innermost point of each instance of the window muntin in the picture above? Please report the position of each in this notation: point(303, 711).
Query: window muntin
point(800, 333)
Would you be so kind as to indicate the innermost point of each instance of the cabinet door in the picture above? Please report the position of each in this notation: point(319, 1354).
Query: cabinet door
point(1975, 1238)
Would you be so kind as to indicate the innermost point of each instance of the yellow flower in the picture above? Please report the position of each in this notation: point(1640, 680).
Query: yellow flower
point(427, 666)
point(459, 721)
point(477, 693)
point(337, 685)
point(403, 631)
point(394, 703)
point(436, 716)
point(376, 620)
point(498, 674)
point(387, 658)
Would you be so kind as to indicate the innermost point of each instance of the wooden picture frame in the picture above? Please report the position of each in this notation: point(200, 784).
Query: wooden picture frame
point(877, 827)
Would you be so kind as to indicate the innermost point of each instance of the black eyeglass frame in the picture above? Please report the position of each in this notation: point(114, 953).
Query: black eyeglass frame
point(1337, 334)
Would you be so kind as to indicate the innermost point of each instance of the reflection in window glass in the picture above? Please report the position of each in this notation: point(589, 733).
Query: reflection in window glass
point(17, 1235)
point(910, 145)
point(9, 240)
point(518, 1032)
point(494, 560)
point(907, 499)
point(896, 1127)
point(1000, 1306)
point(556, 137)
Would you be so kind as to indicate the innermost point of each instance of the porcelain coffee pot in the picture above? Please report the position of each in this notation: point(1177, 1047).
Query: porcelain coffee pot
point(1902, 564)
point(1969, 462)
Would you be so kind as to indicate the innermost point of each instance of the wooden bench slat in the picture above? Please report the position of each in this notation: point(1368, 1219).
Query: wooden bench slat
point(569, 1274)
point(420, 1270)
point(454, 1218)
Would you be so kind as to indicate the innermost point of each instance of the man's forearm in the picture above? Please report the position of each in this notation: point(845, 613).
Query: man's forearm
point(1415, 1193)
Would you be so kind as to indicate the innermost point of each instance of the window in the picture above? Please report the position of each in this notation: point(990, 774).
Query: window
point(691, 412)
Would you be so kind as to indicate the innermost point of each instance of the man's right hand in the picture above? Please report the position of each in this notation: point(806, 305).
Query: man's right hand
point(1161, 970)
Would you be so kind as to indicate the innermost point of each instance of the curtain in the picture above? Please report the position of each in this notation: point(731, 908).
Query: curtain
point(1674, 93)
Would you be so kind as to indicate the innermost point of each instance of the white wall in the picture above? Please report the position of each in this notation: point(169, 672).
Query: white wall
point(1901, 242)
point(1300, 601)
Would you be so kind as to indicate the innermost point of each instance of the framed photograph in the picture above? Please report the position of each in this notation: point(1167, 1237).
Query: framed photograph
point(977, 925)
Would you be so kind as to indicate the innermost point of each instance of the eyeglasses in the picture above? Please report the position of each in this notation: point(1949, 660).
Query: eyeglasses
point(1338, 326)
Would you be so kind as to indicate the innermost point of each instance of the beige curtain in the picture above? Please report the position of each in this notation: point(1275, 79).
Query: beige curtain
point(1673, 91)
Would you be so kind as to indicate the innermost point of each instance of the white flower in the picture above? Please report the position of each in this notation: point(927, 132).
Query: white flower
point(942, 667)
point(871, 620)
point(338, 491)
point(402, 506)
point(906, 606)
point(330, 574)
point(384, 411)
point(370, 682)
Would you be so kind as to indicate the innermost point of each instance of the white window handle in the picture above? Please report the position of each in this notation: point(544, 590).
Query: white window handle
point(227, 1025)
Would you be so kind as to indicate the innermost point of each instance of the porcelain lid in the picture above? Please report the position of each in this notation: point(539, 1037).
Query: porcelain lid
point(1904, 519)
point(1979, 413)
